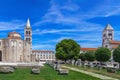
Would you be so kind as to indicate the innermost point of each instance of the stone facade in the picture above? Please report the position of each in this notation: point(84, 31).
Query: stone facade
point(108, 38)
point(43, 55)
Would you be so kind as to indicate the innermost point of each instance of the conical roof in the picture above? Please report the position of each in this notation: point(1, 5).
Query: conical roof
point(28, 24)
point(108, 27)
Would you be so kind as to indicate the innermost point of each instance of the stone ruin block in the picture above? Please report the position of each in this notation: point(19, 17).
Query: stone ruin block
point(63, 71)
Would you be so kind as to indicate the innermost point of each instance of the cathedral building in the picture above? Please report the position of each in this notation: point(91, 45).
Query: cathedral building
point(14, 49)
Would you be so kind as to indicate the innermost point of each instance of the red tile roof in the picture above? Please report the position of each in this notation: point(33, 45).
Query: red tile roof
point(88, 49)
point(115, 46)
point(11, 37)
point(114, 42)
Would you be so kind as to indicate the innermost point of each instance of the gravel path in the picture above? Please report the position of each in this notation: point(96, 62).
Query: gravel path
point(91, 74)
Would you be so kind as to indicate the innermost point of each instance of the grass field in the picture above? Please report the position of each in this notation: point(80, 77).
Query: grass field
point(47, 73)
point(94, 70)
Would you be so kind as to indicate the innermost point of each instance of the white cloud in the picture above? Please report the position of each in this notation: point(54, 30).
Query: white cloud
point(59, 39)
point(62, 31)
point(115, 11)
point(81, 27)
point(42, 47)
point(55, 15)
point(78, 21)
point(70, 6)
point(37, 31)
point(12, 25)
point(89, 44)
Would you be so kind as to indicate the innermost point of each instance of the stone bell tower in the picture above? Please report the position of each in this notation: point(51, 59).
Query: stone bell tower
point(107, 36)
point(28, 33)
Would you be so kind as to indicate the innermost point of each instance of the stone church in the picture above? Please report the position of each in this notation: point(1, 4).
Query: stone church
point(14, 49)
point(108, 38)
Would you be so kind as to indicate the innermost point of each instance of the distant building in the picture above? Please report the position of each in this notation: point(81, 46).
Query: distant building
point(43, 55)
point(108, 38)
point(83, 50)
point(107, 41)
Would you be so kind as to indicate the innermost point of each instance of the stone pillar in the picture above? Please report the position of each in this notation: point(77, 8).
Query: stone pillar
point(79, 62)
point(73, 61)
point(91, 64)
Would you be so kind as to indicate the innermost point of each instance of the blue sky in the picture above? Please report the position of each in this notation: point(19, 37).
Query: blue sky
point(54, 20)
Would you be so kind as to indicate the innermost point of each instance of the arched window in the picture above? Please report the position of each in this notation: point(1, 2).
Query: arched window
point(29, 39)
point(104, 35)
point(15, 43)
point(19, 44)
point(109, 34)
point(29, 32)
point(12, 43)
point(0, 43)
point(0, 55)
point(26, 32)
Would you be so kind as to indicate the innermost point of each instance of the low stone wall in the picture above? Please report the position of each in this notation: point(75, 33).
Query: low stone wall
point(21, 64)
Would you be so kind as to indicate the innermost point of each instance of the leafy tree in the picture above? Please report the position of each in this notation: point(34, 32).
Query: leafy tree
point(60, 54)
point(90, 55)
point(116, 55)
point(67, 49)
point(82, 56)
point(102, 54)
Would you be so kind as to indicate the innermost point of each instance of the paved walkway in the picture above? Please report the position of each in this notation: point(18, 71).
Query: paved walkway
point(91, 74)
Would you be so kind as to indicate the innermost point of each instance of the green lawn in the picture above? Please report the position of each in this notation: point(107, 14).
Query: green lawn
point(47, 73)
point(94, 70)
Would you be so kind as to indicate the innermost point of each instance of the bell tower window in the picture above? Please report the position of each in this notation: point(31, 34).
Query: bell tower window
point(109, 34)
point(104, 35)
point(29, 32)
point(26, 32)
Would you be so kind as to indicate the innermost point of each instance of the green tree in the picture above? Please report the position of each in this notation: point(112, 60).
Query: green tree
point(90, 55)
point(60, 54)
point(102, 55)
point(82, 56)
point(67, 49)
point(116, 55)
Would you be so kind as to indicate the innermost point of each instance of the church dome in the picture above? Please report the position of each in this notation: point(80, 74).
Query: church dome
point(14, 35)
